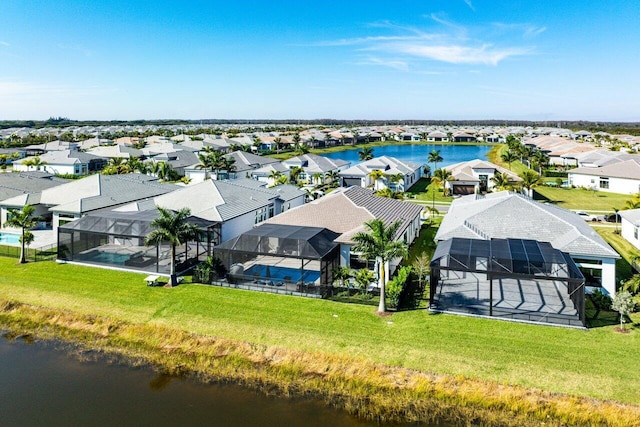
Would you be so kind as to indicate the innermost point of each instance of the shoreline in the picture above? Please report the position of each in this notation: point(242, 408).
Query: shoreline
point(362, 388)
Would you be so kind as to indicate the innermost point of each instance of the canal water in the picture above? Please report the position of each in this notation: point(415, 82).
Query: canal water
point(41, 385)
point(419, 153)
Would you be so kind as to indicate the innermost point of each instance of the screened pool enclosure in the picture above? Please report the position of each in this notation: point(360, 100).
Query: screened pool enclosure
point(116, 239)
point(291, 258)
point(507, 278)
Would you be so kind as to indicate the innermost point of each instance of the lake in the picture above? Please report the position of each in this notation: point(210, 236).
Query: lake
point(419, 153)
point(44, 385)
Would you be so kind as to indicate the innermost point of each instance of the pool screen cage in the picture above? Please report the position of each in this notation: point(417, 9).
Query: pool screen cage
point(117, 239)
point(475, 276)
point(281, 255)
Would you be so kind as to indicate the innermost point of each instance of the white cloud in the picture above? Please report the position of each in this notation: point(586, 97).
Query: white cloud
point(391, 63)
point(457, 54)
point(452, 44)
point(468, 2)
point(4, 43)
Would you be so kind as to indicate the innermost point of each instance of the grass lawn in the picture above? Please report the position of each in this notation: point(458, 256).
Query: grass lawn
point(579, 198)
point(494, 157)
point(424, 192)
point(599, 363)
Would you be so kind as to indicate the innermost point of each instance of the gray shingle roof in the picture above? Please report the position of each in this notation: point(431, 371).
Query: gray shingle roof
point(28, 184)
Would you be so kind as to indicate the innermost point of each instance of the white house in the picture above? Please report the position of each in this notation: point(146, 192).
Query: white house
point(630, 226)
point(360, 174)
point(615, 177)
point(506, 215)
point(475, 176)
point(63, 162)
point(314, 165)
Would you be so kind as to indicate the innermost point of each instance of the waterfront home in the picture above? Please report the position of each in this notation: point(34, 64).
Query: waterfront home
point(506, 215)
point(315, 169)
point(25, 188)
point(398, 175)
point(475, 176)
point(562, 151)
point(345, 210)
point(437, 136)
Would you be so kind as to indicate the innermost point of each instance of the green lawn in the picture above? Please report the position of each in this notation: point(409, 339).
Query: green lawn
point(598, 363)
point(582, 199)
point(494, 157)
point(424, 192)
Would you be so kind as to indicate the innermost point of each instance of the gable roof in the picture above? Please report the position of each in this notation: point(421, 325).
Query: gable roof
point(313, 163)
point(345, 210)
point(389, 165)
point(507, 215)
point(25, 187)
point(463, 171)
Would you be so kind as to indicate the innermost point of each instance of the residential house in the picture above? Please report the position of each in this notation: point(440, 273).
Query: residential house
point(630, 226)
point(616, 176)
point(64, 162)
point(360, 174)
point(506, 215)
point(316, 169)
point(68, 202)
point(475, 176)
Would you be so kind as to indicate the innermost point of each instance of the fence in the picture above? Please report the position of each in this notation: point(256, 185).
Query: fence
point(45, 253)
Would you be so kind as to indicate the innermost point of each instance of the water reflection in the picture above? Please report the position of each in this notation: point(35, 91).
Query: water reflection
point(41, 385)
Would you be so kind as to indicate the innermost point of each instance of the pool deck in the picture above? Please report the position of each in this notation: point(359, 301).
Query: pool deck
point(42, 238)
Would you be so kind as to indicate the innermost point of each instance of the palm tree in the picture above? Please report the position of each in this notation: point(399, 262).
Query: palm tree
point(22, 219)
point(301, 149)
point(340, 274)
point(174, 229)
point(530, 179)
point(365, 153)
point(228, 164)
point(378, 242)
point(317, 178)
point(274, 175)
point(166, 171)
point(441, 176)
point(294, 173)
point(333, 177)
point(390, 194)
point(509, 157)
point(501, 181)
point(434, 157)
point(375, 176)
point(540, 159)
point(397, 179)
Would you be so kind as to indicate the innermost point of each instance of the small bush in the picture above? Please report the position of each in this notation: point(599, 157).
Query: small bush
point(394, 288)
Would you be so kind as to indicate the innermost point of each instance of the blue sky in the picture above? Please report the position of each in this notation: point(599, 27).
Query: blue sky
point(429, 59)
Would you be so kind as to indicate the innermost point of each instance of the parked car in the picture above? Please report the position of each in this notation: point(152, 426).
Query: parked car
point(587, 217)
point(614, 217)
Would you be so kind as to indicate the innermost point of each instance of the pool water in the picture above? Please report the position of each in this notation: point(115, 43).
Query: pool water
point(9, 239)
point(279, 273)
point(105, 257)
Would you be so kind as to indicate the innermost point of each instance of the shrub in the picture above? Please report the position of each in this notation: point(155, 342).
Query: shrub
point(394, 288)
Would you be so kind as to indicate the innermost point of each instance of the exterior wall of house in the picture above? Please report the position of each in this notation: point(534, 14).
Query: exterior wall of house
point(630, 232)
point(196, 175)
point(607, 184)
point(60, 218)
point(606, 265)
point(76, 169)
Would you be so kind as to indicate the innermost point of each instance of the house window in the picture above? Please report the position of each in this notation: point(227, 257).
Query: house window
point(271, 212)
point(604, 182)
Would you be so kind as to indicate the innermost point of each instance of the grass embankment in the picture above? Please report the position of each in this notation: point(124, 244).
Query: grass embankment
point(494, 156)
point(418, 365)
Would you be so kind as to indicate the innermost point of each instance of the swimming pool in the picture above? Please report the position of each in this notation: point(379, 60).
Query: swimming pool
point(282, 273)
point(9, 239)
point(104, 257)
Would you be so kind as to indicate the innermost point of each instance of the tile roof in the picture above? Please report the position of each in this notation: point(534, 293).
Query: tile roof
point(508, 215)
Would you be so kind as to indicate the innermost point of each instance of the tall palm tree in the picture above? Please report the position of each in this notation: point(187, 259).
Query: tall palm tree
point(540, 159)
point(378, 242)
point(530, 179)
point(434, 157)
point(173, 228)
point(228, 164)
point(397, 179)
point(376, 175)
point(274, 175)
point(22, 219)
point(365, 153)
point(509, 157)
point(390, 194)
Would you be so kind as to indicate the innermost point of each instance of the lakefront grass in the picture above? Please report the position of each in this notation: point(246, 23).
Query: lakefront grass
point(459, 351)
